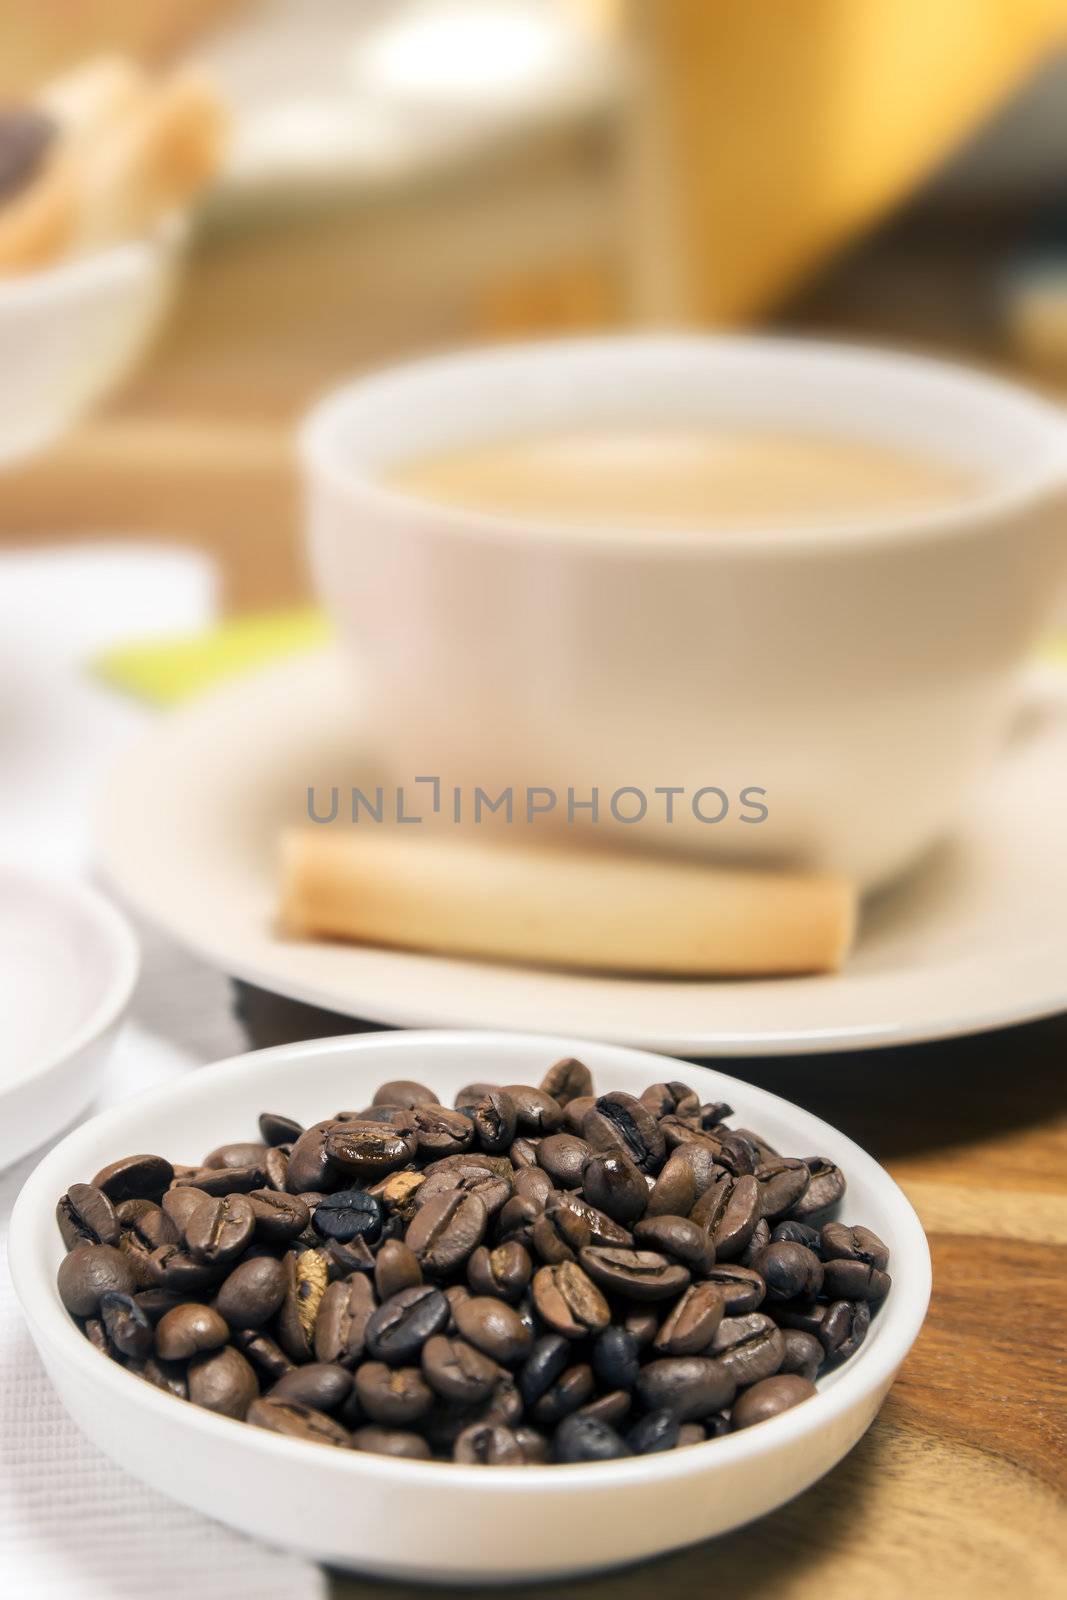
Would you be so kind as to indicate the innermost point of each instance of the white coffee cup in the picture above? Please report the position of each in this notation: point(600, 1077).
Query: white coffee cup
point(861, 675)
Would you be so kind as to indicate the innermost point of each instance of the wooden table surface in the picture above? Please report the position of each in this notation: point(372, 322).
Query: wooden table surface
point(959, 1488)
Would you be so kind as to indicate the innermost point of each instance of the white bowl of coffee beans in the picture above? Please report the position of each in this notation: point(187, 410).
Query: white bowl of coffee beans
point(469, 1306)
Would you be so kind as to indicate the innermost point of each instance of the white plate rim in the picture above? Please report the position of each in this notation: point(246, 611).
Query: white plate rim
point(231, 703)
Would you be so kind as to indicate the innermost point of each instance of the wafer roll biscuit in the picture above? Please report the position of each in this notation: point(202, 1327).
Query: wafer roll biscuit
point(562, 908)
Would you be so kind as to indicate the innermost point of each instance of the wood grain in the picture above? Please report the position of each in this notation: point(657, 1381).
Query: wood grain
point(959, 1488)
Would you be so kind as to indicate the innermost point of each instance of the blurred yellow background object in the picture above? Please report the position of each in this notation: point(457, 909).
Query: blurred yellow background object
point(772, 133)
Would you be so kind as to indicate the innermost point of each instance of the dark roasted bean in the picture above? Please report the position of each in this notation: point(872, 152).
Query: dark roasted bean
point(566, 1080)
point(840, 1243)
point(127, 1326)
point(340, 1326)
point(404, 1092)
point(855, 1280)
point(634, 1274)
point(616, 1186)
point(656, 1431)
point(446, 1230)
point(791, 1232)
point(366, 1149)
point(320, 1384)
point(277, 1218)
point(398, 1442)
point(494, 1327)
point(803, 1353)
point(252, 1292)
point(824, 1190)
point(571, 1390)
point(536, 1111)
point(689, 1326)
point(495, 1120)
point(729, 1209)
point(277, 1130)
point(222, 1381)
point(569, 1301)
point(782, 1181)
point(620, 1121)
point(86, 1216)
point(393, 1396)
point(748, 1348)
point(134, 1178)
point(349, 1214)
point(543, 1366)
point(677, 1237)
point(92, 1270)
point(688, 1386)
point(457, 1371)
point(235, 1155)
point(484, 1444)
point(279, 1414)
point(397, 1331)
point(219, 1229)
point(589, 1439)
point(188, 1331)
point(265, 1355)
point(505, 1270)
point(790, 1271)
point(770, 1398)
point(563, 1155)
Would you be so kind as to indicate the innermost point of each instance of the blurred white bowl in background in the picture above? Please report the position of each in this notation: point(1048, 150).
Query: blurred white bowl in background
point(69, 334)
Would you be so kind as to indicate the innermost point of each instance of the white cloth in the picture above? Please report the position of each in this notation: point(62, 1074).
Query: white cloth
point(72, 1525)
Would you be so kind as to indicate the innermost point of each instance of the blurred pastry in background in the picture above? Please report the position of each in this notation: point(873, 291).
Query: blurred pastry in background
point(101, 155)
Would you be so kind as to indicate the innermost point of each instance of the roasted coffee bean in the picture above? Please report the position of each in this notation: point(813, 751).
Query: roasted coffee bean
point(483, 1445)
point(252, 1292)
point(277, 1130)
point(277, 1218)
point(803, 1353)
point(656, 1431)
point(280, 1414)
point(86, 1216)
point(603, 1275)
point(492, 1190)
point(790, 1232)
point(575, 1110)
point(220, 1229)
point(188, 1331)
point(457, 1371)
point(446, 1230)
point(396, 1267)
point(634, 1274)
point(562, 1156)
point(619, 1121)
point(441, 1131)
point(536, 1112)
point(397, 1331)
point(322, 1385)
point(690, 1325)
point(782, 1181)
point(493, 1327)
point(222, 1381)
point(589, 1439)
point(743, 1289)
point(92, 1270)
point(840, 1243)
point(236, 1155)
point(616, 1186)
point(567, 1080)
point(126, 1325)
point(748, 1348)
point(612, 1408)
point(855, 1280)
point(404, 1092)
point(790, 1271)
point(677, 1237)
point(567, 1299)
point(689, 1387)
point(307, 1276)
point(265, 1355)
point(367, 1150)
point(134, 1178)
point(348, 1214)
point(728, 1209)
point(761, 1238)
point(495, 1119)
point(571, 1390)
point(824, 1190)
point(770, 1398)
point(393, 1396)
point(340, 1326)
point(398, 1442)
point(543, 1366)
point(504, 1270)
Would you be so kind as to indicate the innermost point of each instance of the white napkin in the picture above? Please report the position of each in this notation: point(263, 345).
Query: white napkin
point(72, 1525)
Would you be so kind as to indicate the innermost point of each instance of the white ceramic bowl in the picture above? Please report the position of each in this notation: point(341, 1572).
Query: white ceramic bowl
point(69, 964)
point(437, 1521)
point(71, 333)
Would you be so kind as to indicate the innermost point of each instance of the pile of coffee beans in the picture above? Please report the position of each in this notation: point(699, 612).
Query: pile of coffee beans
point(533, 1275)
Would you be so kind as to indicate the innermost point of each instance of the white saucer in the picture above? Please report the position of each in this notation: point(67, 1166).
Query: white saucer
point(975, 940)
point(68, 963)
